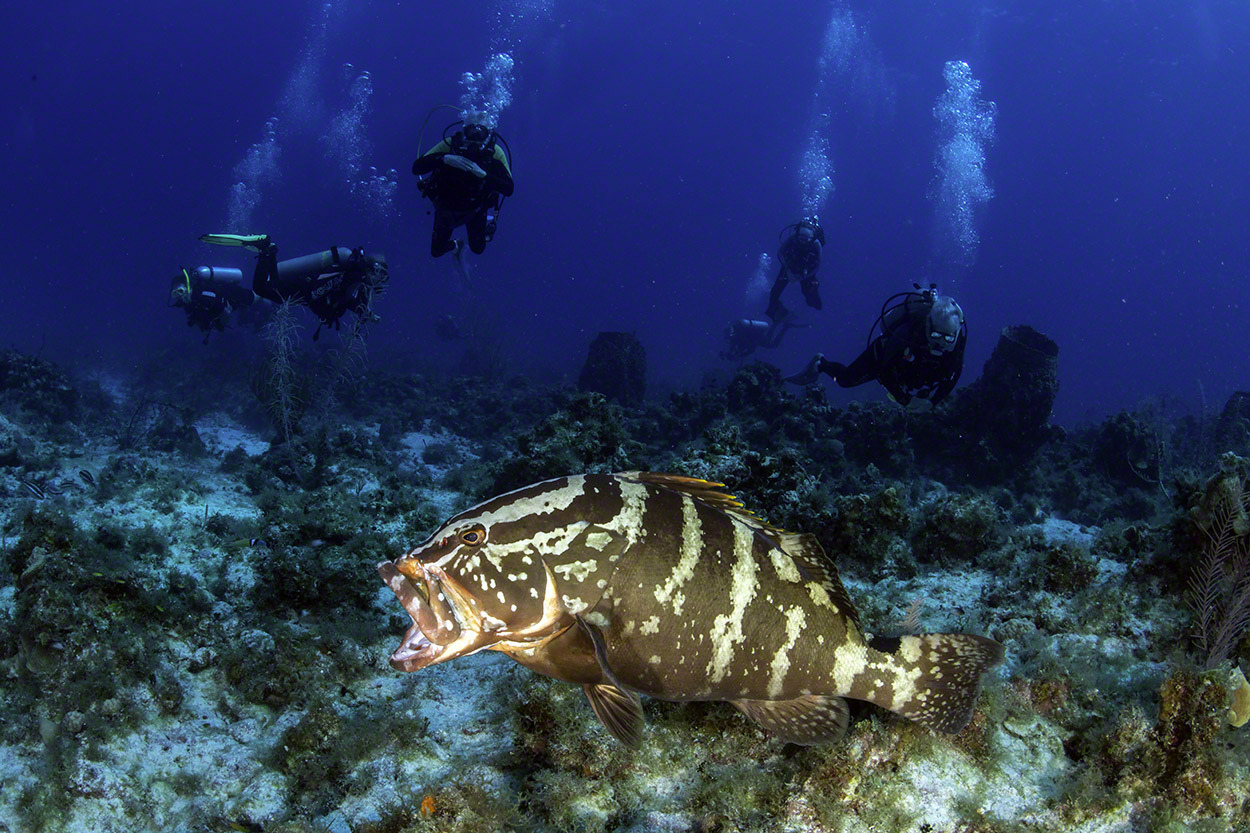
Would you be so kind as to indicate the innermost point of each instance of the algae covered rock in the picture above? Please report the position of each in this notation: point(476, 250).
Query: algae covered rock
point(755, 389)
point(1128, 450)
point(958, 528)
point(36, 386)
point(587, 434)
point(616, 367)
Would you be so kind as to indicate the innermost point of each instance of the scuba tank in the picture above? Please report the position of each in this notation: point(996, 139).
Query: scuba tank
point(205, 274)
point(309, 266)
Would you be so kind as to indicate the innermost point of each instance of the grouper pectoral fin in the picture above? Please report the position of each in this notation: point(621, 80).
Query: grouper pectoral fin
point(617, 708)
point(806, 720)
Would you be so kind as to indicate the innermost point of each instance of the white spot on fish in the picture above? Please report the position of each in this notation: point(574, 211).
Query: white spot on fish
point(650, 626)
point(576, 571)
point(597, 540)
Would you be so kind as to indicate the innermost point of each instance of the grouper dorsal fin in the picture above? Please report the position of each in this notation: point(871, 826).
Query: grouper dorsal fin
point(707, 492)
point(806, 551)
point(806, 720)
point(618, 708)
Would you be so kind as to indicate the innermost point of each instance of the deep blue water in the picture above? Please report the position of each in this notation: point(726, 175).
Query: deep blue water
point(657, 150)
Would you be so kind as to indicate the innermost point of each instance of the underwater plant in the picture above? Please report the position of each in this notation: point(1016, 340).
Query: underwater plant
point(1219, 590)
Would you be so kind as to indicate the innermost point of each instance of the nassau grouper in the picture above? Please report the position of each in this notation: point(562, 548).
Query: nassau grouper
point(657, 584)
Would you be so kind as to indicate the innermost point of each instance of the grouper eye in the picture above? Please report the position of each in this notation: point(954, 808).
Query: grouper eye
point(472, 536)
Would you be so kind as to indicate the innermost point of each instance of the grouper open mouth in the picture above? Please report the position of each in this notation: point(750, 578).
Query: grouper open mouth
point(416, 651)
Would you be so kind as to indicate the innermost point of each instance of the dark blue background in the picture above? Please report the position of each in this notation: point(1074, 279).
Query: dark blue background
point(656, 153)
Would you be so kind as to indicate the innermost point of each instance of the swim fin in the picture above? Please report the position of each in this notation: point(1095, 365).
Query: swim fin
point(809, 374)
point(255, 242)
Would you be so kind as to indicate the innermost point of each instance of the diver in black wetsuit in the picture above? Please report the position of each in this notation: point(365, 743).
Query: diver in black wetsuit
point(469, 176)
point(917, 357)
point(746, 335)
point(800, 258)
point(209, 295)
point(331, 283)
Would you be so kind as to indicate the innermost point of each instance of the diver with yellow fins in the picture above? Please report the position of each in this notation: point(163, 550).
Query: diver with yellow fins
point(467, 176)
point(331, 283)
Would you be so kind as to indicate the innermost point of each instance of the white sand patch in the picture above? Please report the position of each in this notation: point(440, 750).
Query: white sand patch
point(222, 434)
point(1056, 532)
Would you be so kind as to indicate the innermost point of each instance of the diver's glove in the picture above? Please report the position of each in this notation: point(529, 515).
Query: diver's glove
point(467, 165)
point(810, 374)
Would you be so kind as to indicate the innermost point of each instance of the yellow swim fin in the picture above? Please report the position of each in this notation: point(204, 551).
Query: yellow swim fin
point(255, 242)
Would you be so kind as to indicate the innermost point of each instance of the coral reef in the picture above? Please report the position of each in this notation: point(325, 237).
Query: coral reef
point(193, 636)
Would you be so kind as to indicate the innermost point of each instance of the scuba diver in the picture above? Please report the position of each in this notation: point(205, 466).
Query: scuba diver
point(799, 256)
point(209, 294)
point(469, 176)
point(745, 335)
point(918, 355)
point(332, 283)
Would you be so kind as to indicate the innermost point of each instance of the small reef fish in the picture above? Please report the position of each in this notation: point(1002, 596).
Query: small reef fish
point(32, 487)
point(87, 477)
point(657, 584)
point(245, 543)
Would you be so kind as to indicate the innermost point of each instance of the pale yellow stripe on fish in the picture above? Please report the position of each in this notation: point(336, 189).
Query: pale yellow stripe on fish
point(691, 549)
point(628, 521)
point(907, 672)
point(556, 499)
point(549, 543)
point(727, 628)
point(796, 620)
point(850, 659)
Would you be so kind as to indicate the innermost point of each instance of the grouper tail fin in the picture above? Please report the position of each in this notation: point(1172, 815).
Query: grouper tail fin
point(944, 692)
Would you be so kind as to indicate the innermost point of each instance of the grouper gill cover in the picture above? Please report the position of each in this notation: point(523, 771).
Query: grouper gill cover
point(657, 584)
